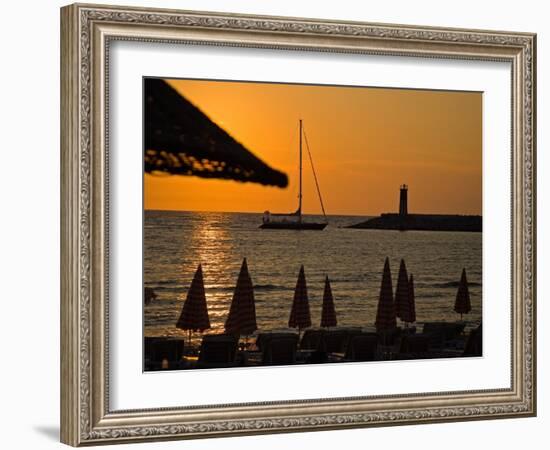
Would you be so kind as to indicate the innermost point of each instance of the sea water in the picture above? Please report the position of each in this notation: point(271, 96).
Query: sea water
point(175, 243)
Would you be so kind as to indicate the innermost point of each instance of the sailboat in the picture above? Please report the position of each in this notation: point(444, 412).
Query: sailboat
point(294, 221)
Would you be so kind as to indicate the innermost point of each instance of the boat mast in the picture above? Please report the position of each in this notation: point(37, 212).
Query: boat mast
point(300, 194)
point(315, 177)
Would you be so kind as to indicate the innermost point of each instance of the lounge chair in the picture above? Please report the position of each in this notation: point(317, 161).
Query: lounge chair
point(333, 341)
point(217, 350)
point(415, 343)
point(474, 344)
point(311, 339)
point(389, 337)
point(280, 350)
point(159, 349)
point(443, 332)
point(263, 339)
point(362, 347)
point(350, 334)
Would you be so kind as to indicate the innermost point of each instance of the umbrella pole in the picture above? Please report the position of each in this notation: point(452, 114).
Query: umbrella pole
point(244, 353)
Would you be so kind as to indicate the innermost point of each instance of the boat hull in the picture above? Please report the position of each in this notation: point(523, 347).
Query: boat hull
point(293, 226)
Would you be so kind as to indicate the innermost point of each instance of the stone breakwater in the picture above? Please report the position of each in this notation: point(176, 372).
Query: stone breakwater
point(424, 222)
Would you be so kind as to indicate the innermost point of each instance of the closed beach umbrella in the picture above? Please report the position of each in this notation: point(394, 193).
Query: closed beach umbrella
point(402, 292)
point(385, 314)
point(410, 315)
point(181, 140)
point(462, 302)
point(328, 313)
point(194, 314)
point(242, 313)
point(299, 315)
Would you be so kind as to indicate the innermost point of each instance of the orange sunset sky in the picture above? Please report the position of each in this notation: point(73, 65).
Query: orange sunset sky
point(365, 142)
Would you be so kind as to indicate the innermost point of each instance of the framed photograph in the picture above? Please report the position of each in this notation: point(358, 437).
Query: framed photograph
point(276, 225)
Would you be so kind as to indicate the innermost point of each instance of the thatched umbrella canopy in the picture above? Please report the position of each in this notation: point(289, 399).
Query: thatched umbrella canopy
point(242, 313)
point(181, 140)
point(385, 314)
point(328, 313)
point(462, 302)
point(194, 314)
point(299, 315)
point(402, 291)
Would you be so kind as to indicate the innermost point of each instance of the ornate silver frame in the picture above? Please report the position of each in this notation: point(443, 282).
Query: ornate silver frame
point(86, 31)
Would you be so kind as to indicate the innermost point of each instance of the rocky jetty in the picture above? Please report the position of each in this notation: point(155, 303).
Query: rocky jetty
point(426, 222)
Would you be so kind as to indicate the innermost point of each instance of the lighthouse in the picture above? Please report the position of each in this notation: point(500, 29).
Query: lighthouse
point(427, 222)
point(403, 210)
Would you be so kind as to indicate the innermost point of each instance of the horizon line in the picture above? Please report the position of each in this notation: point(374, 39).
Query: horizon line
point(251, 212)
point(311, 214)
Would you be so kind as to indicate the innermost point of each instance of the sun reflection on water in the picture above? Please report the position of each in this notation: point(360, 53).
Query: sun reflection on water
point(211, 246)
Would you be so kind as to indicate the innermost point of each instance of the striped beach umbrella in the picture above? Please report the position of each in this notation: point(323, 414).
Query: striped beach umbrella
point(299, 314)
point(385, 314)
point(328, 313)
point(410, 315)
point(242, 313)
point(194, 314)
point(462, 302)
point(402, 292)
